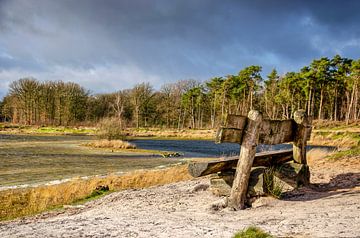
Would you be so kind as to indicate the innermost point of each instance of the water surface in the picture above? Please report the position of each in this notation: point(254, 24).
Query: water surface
point(32, 159)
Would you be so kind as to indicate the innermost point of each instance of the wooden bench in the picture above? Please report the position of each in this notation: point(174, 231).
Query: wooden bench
point(249, 132)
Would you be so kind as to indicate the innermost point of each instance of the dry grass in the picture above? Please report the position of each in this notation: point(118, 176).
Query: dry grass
point(20, 202)
point(335, 138)
point(172, 133)
point(315, 155)
point(112, 144)
point(336, 125)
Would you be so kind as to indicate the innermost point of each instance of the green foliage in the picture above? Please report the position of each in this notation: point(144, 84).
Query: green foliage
point(353, 152)
point(326, 88)
point(273, 186)
point(252, 232)
point(63, 130)
point(97, 193)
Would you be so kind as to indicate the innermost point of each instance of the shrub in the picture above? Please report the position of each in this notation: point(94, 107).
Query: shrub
point(273, 186)
point(252, 232)
point(111, 129)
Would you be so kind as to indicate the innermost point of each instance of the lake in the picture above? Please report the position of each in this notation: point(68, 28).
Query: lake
point(34, 159)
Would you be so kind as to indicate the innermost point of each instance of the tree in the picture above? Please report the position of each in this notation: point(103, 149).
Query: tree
point(353, 86)
point(271, 90)
point(251, 76)
point(140, 96)
point(321, 71)
point(214, 88)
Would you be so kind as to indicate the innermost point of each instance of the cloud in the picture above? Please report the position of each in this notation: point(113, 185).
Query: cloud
point(164, 41)
point(98, 80)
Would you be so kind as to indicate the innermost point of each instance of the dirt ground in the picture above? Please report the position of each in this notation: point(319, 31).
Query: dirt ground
point(329, 208)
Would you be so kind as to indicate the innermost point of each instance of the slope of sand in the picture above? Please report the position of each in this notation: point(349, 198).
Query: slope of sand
point(330, 208)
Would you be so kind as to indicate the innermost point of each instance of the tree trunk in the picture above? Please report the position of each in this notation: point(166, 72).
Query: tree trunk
point(350, 105)
point(321, 103)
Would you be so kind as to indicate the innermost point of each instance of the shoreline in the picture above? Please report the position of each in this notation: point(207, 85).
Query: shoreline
point(329, 208)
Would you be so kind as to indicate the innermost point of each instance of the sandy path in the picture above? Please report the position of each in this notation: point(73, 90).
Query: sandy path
point(331, 208)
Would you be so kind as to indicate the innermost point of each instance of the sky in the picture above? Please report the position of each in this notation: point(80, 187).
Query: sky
point(114, 44)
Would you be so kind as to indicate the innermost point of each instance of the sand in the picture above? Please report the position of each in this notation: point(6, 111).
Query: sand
point(329, 208)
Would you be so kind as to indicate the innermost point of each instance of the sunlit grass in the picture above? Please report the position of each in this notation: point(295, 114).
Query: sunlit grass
point(333, 138)
point(353, 152)
point(112, 144)
point(252, 232)
point(21, 202)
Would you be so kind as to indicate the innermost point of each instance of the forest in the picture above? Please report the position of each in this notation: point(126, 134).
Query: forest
point(328, 89)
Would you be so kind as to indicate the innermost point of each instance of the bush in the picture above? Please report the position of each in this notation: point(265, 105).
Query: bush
point(252, 232)
point(273, 186)
point(111, 129)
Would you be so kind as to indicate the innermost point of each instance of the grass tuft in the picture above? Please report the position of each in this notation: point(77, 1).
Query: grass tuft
point(252, 232)
point(99, 191)
point(111, 144)
point(273, 186)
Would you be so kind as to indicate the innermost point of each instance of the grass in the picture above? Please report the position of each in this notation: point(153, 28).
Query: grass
point(154, 133)
point(352, 152)
point(336, 125)
point(97, 193)
point(22, 202)
point(252, 232)
point(64, 130)
point(54, 130)
point(273, 186)
point(111, 144)
point(336, 138)
point(170, 133)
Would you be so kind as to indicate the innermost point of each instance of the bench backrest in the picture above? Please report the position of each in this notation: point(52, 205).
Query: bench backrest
point(271, 132)
point(297, 130)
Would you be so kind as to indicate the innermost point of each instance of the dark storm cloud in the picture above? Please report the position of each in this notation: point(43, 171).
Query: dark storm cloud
point(115, 44)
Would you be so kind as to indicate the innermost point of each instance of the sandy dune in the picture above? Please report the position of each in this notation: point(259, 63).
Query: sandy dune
point(330, 208)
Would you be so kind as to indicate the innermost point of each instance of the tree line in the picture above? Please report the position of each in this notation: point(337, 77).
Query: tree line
point(328, 89)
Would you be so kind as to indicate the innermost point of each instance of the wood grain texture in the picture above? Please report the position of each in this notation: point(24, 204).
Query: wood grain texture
point(237, 197)
point(267, 158)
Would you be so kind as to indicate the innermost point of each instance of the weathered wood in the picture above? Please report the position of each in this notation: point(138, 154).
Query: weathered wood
point(272, 131)
point(233, 130)
point(301, 136)
point(230, 135)
point(288, 176)
point(276, 132)
point(247, 154)
point(221, 183)
point(266, 158)
point(236, 121)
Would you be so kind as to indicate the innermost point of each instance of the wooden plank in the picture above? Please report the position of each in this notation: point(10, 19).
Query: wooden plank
point(247, 155)
point(230, 135)
point(276, 132)
point(267, 158)
point(272, 131)
point(301, 136)
point(236, 121)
